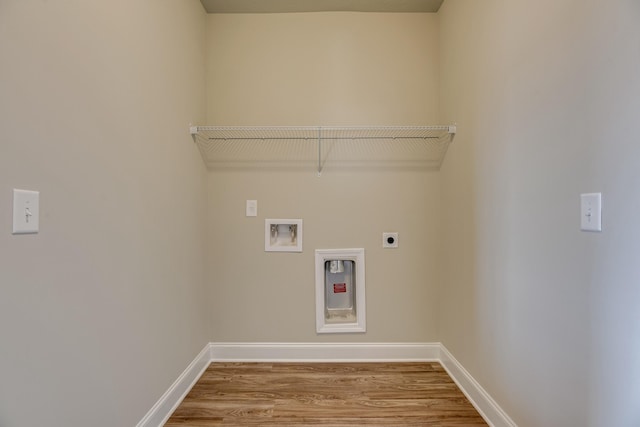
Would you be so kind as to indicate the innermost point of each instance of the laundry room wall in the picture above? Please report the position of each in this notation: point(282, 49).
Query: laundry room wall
point(322, 69)
point(103, 309)
point(545, 316)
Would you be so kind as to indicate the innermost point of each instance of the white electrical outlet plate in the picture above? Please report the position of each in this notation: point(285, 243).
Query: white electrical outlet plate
point(591, 212)
point(252, 208)
point(26, 211)
point(389, 240)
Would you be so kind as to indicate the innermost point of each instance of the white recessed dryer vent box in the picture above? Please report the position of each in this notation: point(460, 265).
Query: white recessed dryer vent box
point(283, 235)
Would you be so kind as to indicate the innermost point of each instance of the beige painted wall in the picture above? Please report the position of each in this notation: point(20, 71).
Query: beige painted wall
point(103, 309)
point(546, 95)
point(322, 69)
point(334, 68)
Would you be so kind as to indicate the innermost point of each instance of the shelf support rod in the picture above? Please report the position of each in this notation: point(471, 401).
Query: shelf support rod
point(319, 151)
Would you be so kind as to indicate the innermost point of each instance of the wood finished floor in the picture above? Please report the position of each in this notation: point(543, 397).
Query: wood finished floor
point(325, 394)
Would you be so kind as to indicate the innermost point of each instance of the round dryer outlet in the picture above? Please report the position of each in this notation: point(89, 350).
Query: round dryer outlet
point(389, 240)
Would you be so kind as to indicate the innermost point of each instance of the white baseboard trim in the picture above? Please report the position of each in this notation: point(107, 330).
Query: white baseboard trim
point(162, 410)
point(479, 398)
point(327, 352)
point(324, 352)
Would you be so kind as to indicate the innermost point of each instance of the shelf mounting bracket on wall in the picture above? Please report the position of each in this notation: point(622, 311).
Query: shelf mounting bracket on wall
point(421, 147)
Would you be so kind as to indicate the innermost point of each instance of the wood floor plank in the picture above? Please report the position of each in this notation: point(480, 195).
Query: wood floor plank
point(325, 394)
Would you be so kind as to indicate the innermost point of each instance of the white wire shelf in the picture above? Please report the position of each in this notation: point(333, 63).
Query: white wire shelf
point(421, 147)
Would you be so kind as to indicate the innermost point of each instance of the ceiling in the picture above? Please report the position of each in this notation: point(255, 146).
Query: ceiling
point(283, 6)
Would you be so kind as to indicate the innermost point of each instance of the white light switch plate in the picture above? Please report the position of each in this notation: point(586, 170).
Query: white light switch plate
point(26, 211)
point(252, 208)
point(591, 212)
